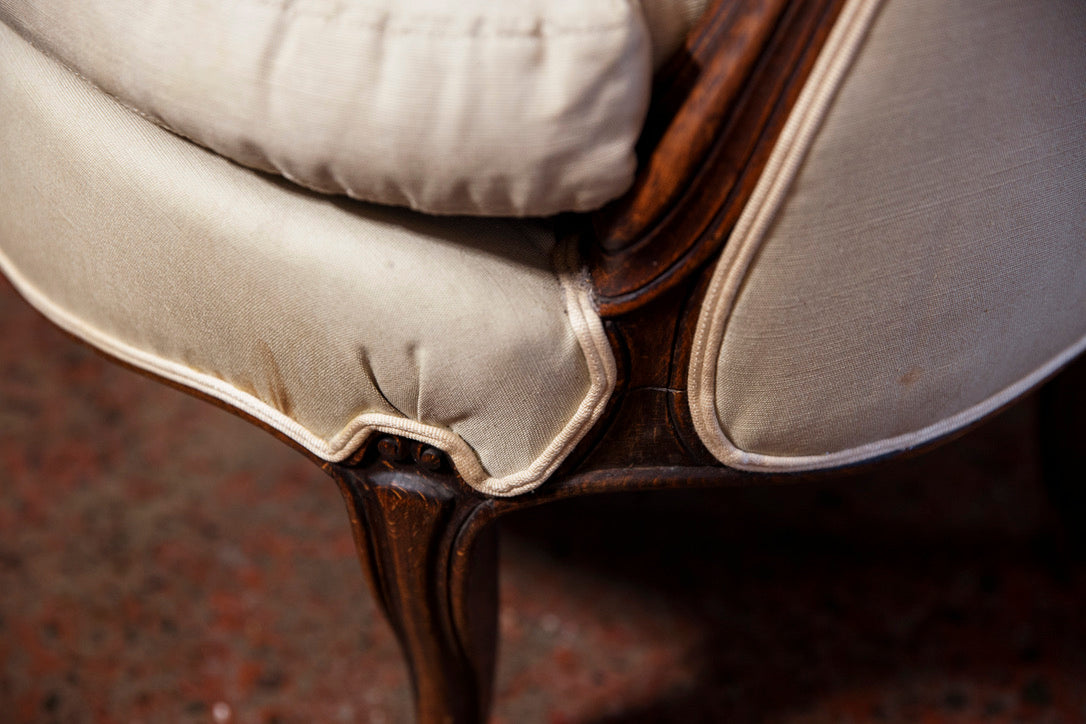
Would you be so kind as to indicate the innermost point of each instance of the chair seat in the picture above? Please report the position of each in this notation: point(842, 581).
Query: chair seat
point(474, 107)
point(910, 260)
point(324, 318)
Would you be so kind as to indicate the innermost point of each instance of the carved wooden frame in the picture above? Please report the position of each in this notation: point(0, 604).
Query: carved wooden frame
point(424, 537)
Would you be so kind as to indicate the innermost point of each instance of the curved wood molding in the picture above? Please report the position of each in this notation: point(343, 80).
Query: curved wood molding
point(720, 52)
point(432, 569)
point(753, 59)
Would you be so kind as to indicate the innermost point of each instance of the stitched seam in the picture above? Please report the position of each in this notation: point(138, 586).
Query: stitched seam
point(395, 25)
point(99, 89)
point(270, 165)
point(33, 43)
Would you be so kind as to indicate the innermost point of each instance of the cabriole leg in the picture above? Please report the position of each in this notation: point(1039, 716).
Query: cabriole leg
point(431, 559)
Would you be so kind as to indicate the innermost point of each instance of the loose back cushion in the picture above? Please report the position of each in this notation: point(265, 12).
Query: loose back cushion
point(325, 318)
point(482, 107)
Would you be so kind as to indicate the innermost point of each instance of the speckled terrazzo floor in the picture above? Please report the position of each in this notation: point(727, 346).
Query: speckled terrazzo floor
point(163, 561)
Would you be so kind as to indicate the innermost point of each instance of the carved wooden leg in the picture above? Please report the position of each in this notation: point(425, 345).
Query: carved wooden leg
point(1063, 446)
point(431, 559)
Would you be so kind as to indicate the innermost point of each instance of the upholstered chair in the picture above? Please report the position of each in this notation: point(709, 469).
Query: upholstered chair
point(476, 256)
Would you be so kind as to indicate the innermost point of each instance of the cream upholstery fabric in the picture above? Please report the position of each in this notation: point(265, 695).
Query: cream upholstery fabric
point(325, 318)
point(915, 255)
point(470, 107)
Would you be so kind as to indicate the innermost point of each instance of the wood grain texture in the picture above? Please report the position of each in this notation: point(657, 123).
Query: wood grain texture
point(723, 49)
point(432, 565)
point(695, 182)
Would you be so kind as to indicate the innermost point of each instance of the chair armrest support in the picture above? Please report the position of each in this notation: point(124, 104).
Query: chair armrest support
point(744, 66)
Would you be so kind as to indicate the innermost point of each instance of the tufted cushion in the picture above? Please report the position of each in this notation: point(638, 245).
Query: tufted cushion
point(470, 107)
point(914, 256)
point(324, 318)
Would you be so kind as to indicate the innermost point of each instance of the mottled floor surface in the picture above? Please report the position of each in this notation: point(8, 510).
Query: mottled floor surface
point(162, 561)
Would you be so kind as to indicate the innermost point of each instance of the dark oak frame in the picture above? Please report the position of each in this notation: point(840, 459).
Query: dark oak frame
point(426, 540)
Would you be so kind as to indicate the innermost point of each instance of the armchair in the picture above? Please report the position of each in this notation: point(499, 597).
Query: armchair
point(855, 229)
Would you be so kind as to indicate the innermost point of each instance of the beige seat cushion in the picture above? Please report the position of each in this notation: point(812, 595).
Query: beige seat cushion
point(914, 257)
point(479, 107)
point(325, 318)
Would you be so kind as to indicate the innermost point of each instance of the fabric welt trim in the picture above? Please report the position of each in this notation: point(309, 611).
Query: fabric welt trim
point(734, 270)
point(829, 71)
point(583, 318)
point(570, 297)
